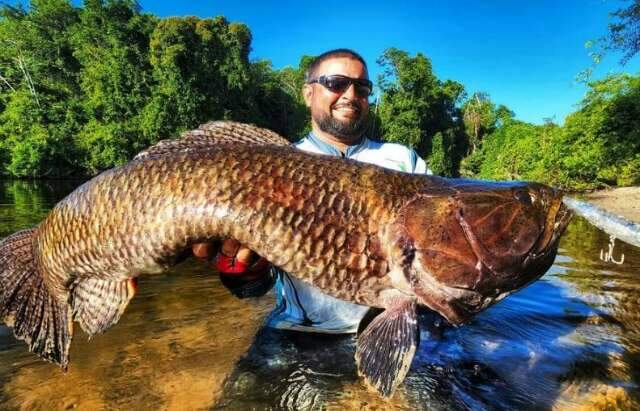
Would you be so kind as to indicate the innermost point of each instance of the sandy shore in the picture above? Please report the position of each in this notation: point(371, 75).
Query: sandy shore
point(624, 201)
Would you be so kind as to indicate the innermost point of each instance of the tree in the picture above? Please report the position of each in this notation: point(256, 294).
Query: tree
point(624, 31)
point(503, 114)
point(201, 72)
point(39, 71)
point(83, 89)
point(441, 160)
point(415, 104)
point(623, 36)
point(276, 98)
point(91, 86)
point(479, 116)
point(111, 43)
point(513, 152)
point(601, 141)
point(36, 52)
point(599, 145)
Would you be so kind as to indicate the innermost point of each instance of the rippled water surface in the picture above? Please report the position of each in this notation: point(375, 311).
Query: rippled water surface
point(571, 341)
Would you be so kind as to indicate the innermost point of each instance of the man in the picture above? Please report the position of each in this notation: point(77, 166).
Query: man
point(336, 90)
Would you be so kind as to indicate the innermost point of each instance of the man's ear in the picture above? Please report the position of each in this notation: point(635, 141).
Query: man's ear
point(307, 92)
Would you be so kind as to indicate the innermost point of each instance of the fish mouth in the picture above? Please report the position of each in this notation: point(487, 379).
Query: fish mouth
point(555, 226)
point(494, 276)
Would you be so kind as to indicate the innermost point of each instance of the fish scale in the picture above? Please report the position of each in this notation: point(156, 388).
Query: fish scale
point(358, 232)
point(325, 210)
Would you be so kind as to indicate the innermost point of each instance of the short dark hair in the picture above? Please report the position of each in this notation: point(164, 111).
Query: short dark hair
point(311, 70)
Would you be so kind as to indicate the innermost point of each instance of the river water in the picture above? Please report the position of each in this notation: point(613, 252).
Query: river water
point(570, 341)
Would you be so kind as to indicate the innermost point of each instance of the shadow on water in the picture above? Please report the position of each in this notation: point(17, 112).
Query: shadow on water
point(518, 355)
point(569, 341)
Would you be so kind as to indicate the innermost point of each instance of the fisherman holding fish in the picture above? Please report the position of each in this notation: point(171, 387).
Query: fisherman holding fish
point(336, 90)
point(359, 232)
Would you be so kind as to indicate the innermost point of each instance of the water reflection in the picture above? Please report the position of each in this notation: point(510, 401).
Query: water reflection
point(569, 341)
point(172, 350)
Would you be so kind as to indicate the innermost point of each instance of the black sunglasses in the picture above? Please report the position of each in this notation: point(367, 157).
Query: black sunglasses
point(339, 84)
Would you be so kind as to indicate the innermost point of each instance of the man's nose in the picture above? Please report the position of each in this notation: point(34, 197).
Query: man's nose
point(350, 92)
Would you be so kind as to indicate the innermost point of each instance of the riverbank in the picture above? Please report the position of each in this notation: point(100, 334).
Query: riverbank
point(624, 201)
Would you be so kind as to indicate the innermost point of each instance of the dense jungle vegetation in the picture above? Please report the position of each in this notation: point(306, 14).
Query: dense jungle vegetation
point(85, 88)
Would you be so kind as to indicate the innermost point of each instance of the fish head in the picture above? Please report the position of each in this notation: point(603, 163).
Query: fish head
point(466, 246)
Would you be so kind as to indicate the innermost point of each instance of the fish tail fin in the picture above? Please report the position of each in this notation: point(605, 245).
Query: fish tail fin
point(27, 305)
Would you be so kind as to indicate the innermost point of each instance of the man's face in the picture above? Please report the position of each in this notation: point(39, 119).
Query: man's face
point(340, 114)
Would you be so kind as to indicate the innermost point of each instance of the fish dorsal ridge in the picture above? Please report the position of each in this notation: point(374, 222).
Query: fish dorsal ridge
point(213, 134)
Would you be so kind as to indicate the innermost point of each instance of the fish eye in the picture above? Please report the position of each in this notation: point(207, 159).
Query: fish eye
point(523, 196)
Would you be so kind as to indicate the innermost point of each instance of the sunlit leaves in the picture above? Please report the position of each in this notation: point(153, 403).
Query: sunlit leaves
point(415, 105)
point(82, 89)
point(598, 146)
point(479, 116)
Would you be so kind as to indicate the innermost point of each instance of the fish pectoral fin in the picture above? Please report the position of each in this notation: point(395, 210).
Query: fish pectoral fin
point(387, 345)
point(98, 304)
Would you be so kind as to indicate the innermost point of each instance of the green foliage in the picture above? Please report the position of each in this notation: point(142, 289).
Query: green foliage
point(105, 144)
point(441, 159)
point(503, 114)
point(625, 30)
point(599, 145)
point(38, 74)
point(623, 35)
point(201, 70)
point(479, 115)
point(28, 154)
point(512, 152)
point(31, 148)
point(630, 172)
point(470, 165)
point(111, 43)
point(277, 99)
point(414, 104)
point(82, 89)
point(36, 53)
point(603, 137)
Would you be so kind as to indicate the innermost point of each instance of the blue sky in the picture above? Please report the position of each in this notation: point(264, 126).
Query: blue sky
point(525, 54)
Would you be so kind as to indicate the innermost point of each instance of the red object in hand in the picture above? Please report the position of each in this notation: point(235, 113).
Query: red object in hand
point(230, 266)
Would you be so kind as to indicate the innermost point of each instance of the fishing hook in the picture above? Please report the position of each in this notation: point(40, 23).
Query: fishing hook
point(608, 256)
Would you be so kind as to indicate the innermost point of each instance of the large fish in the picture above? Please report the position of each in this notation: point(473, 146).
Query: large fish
point(358, 232)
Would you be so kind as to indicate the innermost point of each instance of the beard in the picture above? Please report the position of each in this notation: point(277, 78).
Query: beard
point(349, 130)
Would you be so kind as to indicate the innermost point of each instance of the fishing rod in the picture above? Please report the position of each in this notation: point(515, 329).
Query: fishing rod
point(614, 225)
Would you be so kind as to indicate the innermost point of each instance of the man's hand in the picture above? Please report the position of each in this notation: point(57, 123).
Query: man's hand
point(230, 248)
point(232, 259)
point(241, 270)
point(204, 251)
